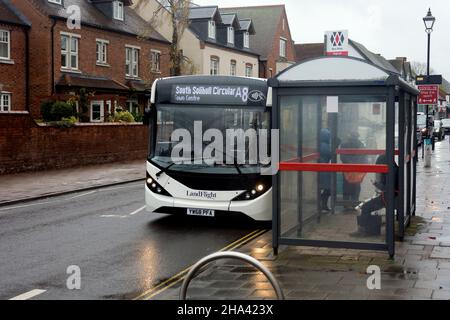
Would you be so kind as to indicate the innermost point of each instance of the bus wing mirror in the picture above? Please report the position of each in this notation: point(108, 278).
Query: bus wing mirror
point(147, 117)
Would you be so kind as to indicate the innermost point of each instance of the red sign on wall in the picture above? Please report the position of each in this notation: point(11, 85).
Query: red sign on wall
point(428, 94)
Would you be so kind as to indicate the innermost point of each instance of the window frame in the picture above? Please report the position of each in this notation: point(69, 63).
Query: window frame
point(283, 47)
point(56, 1)
point(102, 111)
point(133, 62)
point(69, 53)
point(118, 10)
point(249, 66)
point(212, 29)
point(233, 67)
point(246, 40)
point(154, 54)
point(8, 44)
point(9, 105)
point(214, 62)
point(102, 44)
point(230, 35)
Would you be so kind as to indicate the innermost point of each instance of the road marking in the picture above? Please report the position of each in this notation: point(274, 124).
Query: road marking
point(81, 195)
point(28, 295)
point(137, 211)
point(123, 216)
point(113, 216)
point(180, 276)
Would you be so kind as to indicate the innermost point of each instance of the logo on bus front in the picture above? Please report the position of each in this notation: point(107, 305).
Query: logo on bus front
point(256, 96)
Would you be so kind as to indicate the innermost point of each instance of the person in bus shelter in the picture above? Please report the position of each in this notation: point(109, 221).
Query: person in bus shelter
point(325, 177)
point(352, 180)
point(369, 224)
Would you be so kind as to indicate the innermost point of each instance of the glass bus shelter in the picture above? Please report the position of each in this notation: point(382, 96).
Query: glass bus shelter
point(348, 153)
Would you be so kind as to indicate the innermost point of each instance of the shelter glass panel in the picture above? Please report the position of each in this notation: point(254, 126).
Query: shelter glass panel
point(322, 139)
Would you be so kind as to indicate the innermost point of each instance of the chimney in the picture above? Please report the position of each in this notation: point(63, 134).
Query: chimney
point(404, 59)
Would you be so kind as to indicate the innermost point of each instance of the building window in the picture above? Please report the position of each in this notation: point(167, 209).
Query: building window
point(246, 40)
point(283, 43)
point(212, 29)
point(97, 111)
point(69, 51)
point(249, 70)
point(233, 68)
point(156, 61)
point(5, 102)
point(132, 62)
point(5, 45)
point(230, 35)
point(102, 51)
point(214, 66)
point(133, 107)
point(118, 10)
point(270, 72)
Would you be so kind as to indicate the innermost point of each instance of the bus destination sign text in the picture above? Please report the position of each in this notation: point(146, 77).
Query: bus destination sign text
point(233, 95)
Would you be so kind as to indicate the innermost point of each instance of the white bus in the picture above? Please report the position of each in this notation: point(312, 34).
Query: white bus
point(194, 105)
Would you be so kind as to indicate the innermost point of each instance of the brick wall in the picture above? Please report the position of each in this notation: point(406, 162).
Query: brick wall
point(13, 76)
point(26, 146)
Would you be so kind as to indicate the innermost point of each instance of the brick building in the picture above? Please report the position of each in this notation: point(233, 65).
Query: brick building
point(272, 40)
point(13, 59)
point(113, 53)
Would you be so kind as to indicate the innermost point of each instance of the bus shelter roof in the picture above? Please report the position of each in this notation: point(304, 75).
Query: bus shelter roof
point(333, 71)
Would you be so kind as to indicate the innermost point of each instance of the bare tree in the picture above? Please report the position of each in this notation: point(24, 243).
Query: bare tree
point(178, 13)
point(420, 68)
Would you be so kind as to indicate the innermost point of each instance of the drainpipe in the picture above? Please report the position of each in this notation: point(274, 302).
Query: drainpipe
point(27, 68)
point(53, 54)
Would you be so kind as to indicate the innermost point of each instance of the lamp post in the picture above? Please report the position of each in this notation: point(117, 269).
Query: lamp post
point(429, 21)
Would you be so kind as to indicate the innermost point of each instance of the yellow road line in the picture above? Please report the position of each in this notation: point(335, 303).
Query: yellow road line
point(180, 276)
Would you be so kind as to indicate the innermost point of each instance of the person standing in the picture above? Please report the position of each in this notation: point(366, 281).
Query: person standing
point(325, 177)
point(352, 181)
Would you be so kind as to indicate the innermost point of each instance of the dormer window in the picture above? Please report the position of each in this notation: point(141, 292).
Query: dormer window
point(246, 40)
point(212, 29)
point(231, 35)
point(118, 10)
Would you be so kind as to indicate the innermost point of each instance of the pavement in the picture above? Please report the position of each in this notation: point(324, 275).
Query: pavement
point(34, 185)
point(419, 271)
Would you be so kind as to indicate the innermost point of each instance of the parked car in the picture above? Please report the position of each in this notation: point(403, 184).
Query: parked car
point(446, 125)
point(438, 131)
point(421, 127)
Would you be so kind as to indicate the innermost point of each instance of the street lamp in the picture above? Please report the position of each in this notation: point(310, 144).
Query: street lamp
point(429, 21)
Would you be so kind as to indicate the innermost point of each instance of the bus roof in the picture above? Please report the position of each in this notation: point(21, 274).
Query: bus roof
point(211, 90)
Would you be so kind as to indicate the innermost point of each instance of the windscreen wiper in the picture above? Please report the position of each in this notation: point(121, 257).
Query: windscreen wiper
point(165, 170)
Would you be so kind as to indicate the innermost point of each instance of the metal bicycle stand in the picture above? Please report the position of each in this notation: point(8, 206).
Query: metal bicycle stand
point(230, 255)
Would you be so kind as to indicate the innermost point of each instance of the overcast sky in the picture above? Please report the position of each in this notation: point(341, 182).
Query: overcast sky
point(393, 28)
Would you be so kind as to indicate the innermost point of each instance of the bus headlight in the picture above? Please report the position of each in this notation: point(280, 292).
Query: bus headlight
point(155, 187)
point(252, 194)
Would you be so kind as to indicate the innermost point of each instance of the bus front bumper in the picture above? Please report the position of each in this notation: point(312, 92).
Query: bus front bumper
point(259, 209)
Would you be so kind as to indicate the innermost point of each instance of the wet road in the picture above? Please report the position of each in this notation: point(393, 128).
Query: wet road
point(121, 250)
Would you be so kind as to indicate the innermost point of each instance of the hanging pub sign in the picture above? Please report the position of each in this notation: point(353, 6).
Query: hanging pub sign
point(429, 94)
point(337, 43)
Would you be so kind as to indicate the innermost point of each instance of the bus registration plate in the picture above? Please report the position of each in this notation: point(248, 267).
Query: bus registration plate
point(201, 212)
